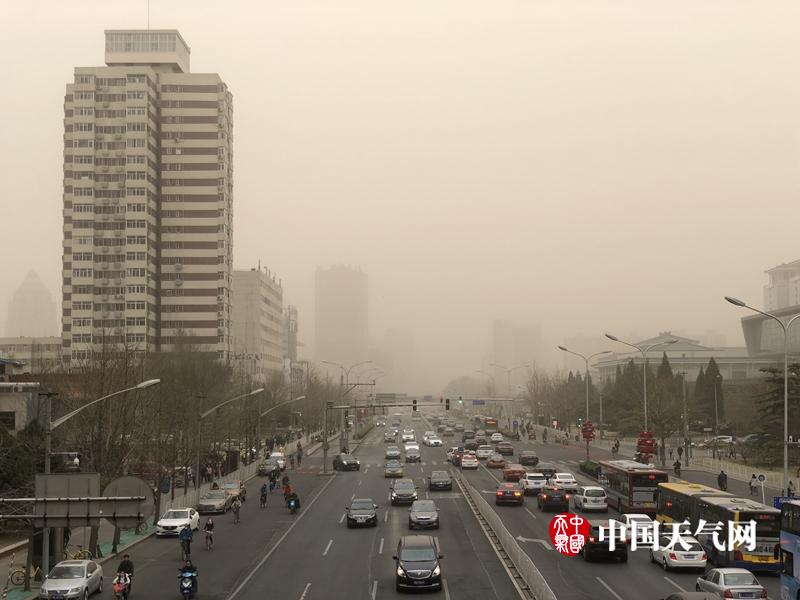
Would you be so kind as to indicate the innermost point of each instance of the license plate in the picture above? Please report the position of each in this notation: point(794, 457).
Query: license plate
point(688, 556)
point(746, 595)
point(648, 504)
point(419, 583)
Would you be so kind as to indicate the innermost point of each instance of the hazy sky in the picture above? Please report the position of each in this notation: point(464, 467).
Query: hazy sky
point(590, 165)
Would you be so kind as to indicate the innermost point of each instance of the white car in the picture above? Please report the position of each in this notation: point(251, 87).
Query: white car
point(484, 452)
point(428, 434)
point(468, 461)
point(591, 497)
point(677, 557)
point(496, 437)
point(280, 459)
point(407, 437)
point(410, 445)
point(731, 583)
point(172, 521)
point(434, 442)
point(565, 481)
point(642, 522)
point(532, 483)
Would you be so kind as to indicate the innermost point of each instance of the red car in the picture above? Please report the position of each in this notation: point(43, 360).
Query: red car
point(514, 472)
point(509, 493)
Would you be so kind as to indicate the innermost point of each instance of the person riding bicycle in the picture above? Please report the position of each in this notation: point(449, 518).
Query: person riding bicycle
point(676, 466)
point(126, 566)
point(124, 580)
point(208, 529)
point(186, 536)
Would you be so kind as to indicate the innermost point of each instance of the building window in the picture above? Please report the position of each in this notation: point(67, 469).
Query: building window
point(8, 420)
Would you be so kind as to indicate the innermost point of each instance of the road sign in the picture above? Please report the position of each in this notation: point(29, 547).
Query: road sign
point(778, 500)
point(761, 477)
point(427, 398)
point(478, 402)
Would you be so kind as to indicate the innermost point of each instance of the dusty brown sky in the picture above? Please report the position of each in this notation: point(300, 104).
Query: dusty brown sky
point(591, 165)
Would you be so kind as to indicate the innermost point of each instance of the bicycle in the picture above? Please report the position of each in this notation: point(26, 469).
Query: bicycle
point(16, 573)
point(186, 550)
point(263, 501)
point(209, 540)
point(77, 553)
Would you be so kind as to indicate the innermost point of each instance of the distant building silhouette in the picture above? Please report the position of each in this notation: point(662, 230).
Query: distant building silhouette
point(341, 315)
point(32, 310)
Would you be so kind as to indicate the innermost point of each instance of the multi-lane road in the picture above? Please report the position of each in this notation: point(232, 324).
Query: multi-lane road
point(313, 555)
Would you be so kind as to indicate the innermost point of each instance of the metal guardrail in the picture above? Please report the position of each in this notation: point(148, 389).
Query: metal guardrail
point(523, 563)
point(736, 471)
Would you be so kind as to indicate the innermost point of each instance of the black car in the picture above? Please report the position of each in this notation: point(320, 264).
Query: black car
point(594, 548)
point(467, 435)
point(553, 498)
point(528, 458)
point(362, 513)
point(265, 469)
point(481, 440)
point(346, 462)
point(423, 514)
point(471, 445)
point(440, 480)
point(509, 493)
point(547, 469)
point(417, 564)
point(504, 448)
point(413, 455)
point(403, 491)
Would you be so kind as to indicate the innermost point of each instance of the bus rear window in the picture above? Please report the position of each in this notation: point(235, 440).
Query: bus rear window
point(649, 479)
point(767, 525)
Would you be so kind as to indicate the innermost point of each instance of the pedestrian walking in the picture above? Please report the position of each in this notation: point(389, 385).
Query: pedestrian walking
point(671, 450)
point(299, 456)
point(291, 461)
point(753, 483)
point(790, 492)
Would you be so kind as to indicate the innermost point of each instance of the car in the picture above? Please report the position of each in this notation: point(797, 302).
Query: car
point(467, 435)
point(594, 547)
point(393, 468)
point(428, 434)
point(362, 512)
point(550, 497)
point(529, 458)
point(265, 469)
point(547, 469)
point(389, 436)
point(423, 514)
point(481, 440)
point(235, 489)
point(496, 461)
point(407, 437)
point(509, 493)
point(504, 448)
point(403, 491)
point(172, 521)
point(731, 583)
point(440, 428)
point(413, 455)
point(448, 432)
point(496, 437)
point(688, 555)
point(480, 433)
point(471, 445)
point(532, 483)
point(434, 442)
point(756, 439)
point(691, 596)
point(274, 464)
point(392, 452)
point(380, 422)
point(469, 461)
point(590, 497)
point(455, 455)
point(346, 462)
point(565, 481)
point(459, 427)
point(513, 472)
point(440, 480)
point(409, 445)
point(72, 579)
point(417, 564)
point(215, 501)
point(484, 452)
point(280, 459)
point(641, 522)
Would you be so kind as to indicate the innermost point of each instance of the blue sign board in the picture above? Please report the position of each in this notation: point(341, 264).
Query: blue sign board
point(778, 500)
point(478, 402)
point(428, 398)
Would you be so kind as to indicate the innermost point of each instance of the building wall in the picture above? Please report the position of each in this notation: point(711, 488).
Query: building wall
point(258, 321)
point(341, 315)
point(40, 354)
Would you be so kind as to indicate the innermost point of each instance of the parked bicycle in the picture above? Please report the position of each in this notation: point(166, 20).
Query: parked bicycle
point(16, 573)
point(76, 553)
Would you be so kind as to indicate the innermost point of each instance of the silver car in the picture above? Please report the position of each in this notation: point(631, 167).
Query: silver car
point(215, 501)
point(731, 583)
point(73, 579)
point(423, 514)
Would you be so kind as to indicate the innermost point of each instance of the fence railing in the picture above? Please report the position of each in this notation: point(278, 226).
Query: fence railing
point(736, 470)
point(523, 563)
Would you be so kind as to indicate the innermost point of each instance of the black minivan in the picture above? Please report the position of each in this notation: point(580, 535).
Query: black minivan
point(417, 564)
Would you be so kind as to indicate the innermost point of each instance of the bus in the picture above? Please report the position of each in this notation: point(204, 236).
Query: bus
point(790, 546)
point(677, 501)
point(741, 510)
point(631, 487)
point(490, 425)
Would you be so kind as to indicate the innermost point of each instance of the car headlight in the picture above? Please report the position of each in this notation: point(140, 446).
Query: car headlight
point(394, 495)
point(358, 462)
point(75, 590)
point(437, 570)
point(400, 571)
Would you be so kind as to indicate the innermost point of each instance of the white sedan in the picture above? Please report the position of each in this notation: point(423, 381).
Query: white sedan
point(172, 521)
point(565, 481)
point(410, 445)
point(280, 459)
point(484, 452)
point(642, 523)
point(692, 556)
point(468, 461)
point(532, 483)
point(591, 497)
point(434, 442)
point(496, 437)
point(407, 437)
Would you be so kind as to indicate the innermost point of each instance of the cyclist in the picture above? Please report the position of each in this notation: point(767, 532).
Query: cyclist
point(264, 492)
point(208, 528)
point(236, 506)
point(126, 566)
point(186, 540)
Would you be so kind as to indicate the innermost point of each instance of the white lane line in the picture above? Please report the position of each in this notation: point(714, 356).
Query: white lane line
point(610, 591)
point(342, 519)
point(260, 564)
point(374, 589)
point(434, 462)
point(328, 547)
point(359, 482)
point(526, 510)
point(305, 591)
point(380, 548)
point(386, 516)
point(446, 589)
point(353, 497)
point(669, 581)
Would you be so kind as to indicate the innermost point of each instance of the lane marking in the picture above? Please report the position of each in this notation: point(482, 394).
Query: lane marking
point(286, 533)
point(446, 589)
point(328, 547)
point(527, 510)
point(380, 548)
point(674, 583)
point(359, 482)
point(386, 516)
point(342, 519)
point(305, 591)
point(374, 589)
point(353, 497)
point(610, 591)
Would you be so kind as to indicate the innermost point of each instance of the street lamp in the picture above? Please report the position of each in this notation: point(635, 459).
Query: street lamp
point(785, 328)
point(586, 360)
point(717, 381)
point(508, 377)
point(200, 418)
point(344, 380)
point(644, 352)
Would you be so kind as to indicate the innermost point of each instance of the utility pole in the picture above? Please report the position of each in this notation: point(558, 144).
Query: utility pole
point(683, 375)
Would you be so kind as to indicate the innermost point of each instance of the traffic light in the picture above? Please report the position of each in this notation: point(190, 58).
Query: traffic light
point(447, 404)
point(460, 401)
point(414, 405)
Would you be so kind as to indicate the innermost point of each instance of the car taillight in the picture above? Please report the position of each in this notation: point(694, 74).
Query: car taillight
point(737, 555)
point(499, 493)
point(568, 496)
point(727, 594)
point(517, 494)
point(544, 496)
point(591, 539)
point(763, 593)
point(673, 556)
point(705, 556)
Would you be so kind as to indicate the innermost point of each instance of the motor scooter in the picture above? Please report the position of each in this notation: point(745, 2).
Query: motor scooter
point(292, 503)
point(187, 583)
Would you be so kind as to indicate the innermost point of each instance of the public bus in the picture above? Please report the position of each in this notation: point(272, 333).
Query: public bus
point(790, 549)
point(490, 425)
point(731, 511)
point(631, 487)
point(677, 501)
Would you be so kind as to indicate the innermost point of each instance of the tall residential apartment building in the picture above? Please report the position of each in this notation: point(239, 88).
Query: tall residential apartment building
point(148, 201)
point(341, 315)
point(258, 321)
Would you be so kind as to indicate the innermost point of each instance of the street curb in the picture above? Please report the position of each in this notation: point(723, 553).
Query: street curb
point(6, 550)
